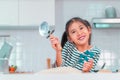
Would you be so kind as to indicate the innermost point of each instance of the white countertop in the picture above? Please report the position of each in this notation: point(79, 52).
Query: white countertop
point(66, 76)
point(62, 73)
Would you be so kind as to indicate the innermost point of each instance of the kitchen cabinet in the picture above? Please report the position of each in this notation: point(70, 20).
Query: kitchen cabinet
point(8, 12)
point(33, 12)
point(26, 14)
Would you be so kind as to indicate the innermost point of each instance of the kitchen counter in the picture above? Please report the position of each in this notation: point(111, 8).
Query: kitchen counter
point(62, 73)
point(60, 76)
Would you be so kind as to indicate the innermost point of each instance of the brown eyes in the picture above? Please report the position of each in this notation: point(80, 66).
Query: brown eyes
point(81, 28)
point(73, 31)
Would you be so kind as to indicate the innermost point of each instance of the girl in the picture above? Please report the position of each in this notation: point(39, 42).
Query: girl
point(75, 49)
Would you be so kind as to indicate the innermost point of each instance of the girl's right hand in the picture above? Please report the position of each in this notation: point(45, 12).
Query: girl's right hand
point(87, 66)
point(55, 43)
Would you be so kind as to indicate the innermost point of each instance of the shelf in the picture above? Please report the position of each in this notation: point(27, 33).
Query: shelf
point(24, 27)
point(106, 22)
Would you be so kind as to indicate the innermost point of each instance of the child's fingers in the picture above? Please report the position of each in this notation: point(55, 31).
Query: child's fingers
point(87, 66)
point(53, 39)
point(55, 43)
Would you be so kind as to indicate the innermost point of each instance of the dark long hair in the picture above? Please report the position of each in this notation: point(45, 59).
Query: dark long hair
point(65, 34)
point(64, 39)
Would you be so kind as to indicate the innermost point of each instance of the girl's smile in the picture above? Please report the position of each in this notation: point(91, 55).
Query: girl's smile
point(81, 37)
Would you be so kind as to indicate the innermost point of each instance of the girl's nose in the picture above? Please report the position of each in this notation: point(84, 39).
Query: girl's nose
point(79, 33)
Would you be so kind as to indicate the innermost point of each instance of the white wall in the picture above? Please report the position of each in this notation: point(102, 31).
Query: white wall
point(88, 9)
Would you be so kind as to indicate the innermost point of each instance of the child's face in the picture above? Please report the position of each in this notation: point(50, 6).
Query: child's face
point(79, 33)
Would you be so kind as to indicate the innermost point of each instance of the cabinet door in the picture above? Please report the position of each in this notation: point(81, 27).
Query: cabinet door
point(33, 12)
point(8, 12)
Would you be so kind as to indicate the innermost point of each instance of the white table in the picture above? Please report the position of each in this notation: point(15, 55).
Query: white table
point(62, 73)
point(66, 76)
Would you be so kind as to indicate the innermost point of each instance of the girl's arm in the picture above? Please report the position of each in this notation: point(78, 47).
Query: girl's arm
point(58, 58)
point(57, 46)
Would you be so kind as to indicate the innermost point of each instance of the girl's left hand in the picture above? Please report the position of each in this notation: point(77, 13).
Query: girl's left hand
point(55, 43)
point(87, 66)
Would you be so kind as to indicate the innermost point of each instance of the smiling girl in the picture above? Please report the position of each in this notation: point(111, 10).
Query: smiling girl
point(76, 51)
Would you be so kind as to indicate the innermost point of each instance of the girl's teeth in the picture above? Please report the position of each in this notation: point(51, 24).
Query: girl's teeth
point(81, 38)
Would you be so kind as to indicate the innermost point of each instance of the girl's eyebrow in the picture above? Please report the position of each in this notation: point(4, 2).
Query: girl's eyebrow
point(72, 29)
point(81, 25)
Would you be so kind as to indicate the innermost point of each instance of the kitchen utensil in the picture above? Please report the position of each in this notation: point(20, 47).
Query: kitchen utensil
point(45, 29)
